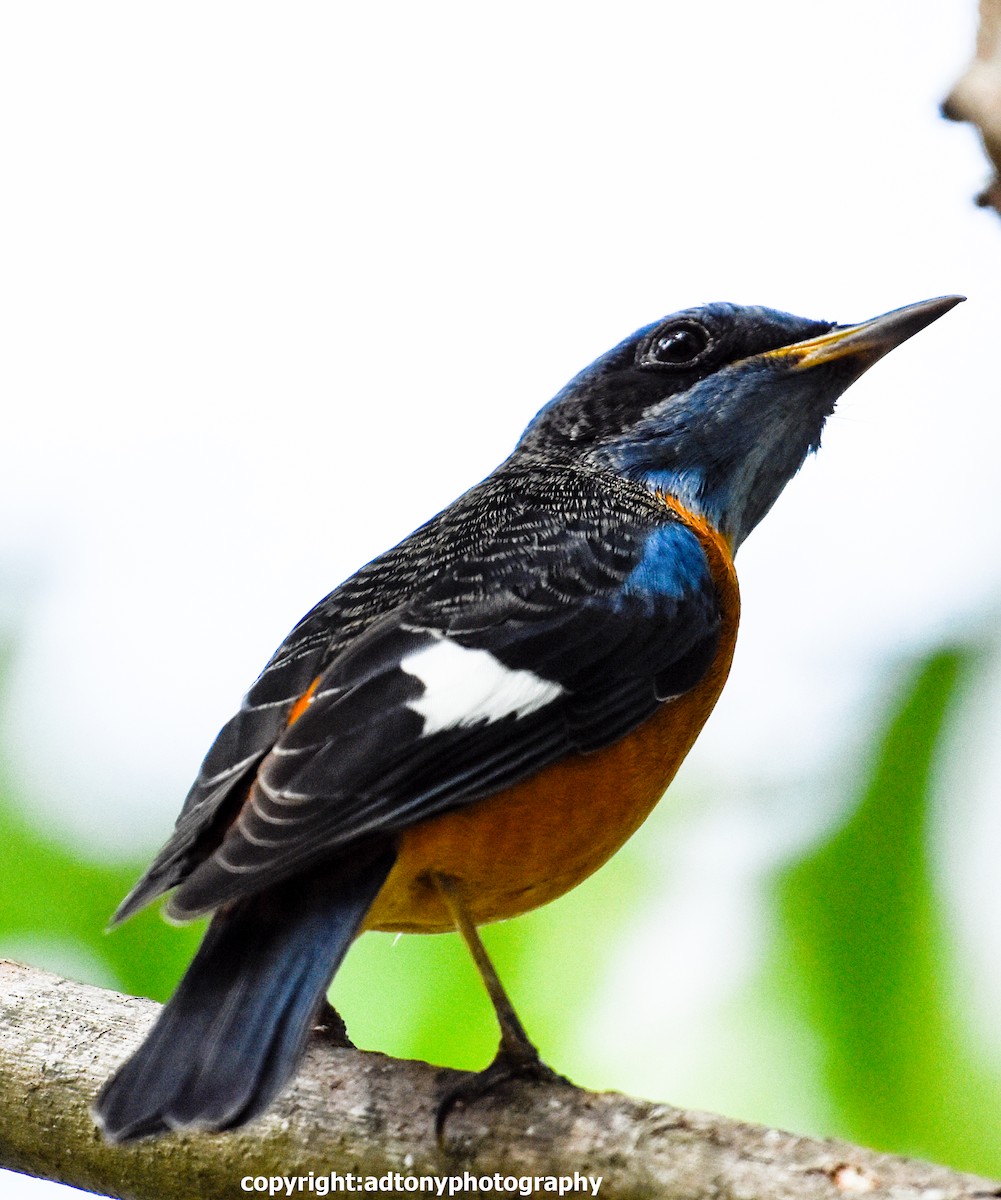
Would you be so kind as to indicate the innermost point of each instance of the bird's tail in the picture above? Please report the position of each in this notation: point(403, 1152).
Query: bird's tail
point(236, 1027)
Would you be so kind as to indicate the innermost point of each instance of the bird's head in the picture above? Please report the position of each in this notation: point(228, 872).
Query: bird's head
point(719, 405)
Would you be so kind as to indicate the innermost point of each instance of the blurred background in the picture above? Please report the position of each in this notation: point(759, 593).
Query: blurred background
point(278, 282)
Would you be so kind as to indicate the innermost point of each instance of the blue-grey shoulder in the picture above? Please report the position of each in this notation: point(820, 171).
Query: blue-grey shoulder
point(673, 565)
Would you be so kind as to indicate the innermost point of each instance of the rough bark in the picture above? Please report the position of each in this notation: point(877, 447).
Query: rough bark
point(367, 1114)
point(976, 96)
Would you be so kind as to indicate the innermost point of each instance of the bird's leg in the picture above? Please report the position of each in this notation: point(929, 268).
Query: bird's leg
point(517, 1057)
point(329, 1025)
point(514, 1040)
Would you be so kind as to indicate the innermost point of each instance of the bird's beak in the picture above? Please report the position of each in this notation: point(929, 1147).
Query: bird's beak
point(864, 343)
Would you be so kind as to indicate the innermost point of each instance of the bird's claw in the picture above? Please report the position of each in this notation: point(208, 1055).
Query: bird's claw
point(516, 1063)
point(329, 1025)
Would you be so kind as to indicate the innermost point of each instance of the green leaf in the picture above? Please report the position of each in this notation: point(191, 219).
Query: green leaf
point(864, 951)
point(52, 901)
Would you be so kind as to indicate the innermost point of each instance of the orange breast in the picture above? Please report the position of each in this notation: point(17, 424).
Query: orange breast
point(536, 840)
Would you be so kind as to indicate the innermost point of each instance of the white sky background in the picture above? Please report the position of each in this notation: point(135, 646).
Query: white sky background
point(279, 282)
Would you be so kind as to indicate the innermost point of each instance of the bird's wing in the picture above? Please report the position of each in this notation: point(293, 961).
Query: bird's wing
point(563, 631)
point(318, 639)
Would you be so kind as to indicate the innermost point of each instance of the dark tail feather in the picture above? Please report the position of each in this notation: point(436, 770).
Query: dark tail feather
point(235, 1029)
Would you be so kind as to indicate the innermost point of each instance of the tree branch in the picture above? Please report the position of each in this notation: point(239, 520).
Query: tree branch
point(367, 1114)
point(976, 96)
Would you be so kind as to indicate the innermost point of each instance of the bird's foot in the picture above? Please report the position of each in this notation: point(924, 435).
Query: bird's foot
point(329, 1025)
point(515, 1061)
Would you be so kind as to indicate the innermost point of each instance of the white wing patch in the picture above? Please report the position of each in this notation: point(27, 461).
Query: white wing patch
point(463, 687)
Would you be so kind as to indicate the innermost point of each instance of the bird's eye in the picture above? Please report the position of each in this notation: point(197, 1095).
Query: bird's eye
point(679, 344)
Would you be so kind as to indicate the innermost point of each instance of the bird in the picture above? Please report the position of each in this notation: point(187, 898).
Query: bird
point(476, 720)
